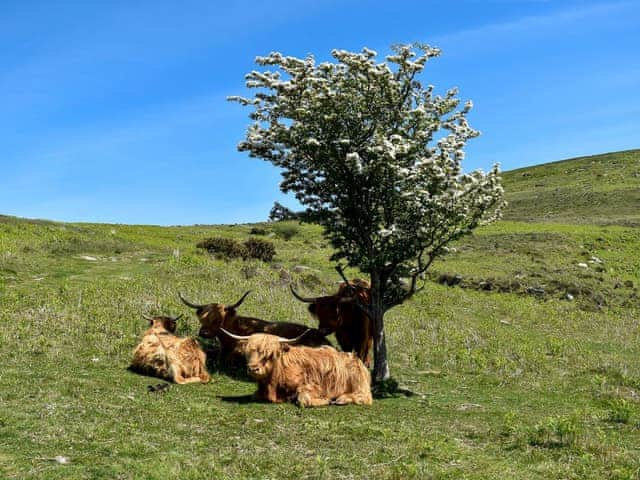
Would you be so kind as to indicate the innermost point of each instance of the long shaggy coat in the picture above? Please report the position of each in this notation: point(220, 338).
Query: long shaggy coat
point(310, 376)
point(162, 354)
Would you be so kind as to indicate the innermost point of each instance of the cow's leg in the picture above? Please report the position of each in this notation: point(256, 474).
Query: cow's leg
point(204, 376)
point(305, 398)
point(357, 398)
point(181, 379)
point(267, 393)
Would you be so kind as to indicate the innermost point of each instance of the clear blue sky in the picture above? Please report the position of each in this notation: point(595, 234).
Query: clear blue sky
point(115, 111)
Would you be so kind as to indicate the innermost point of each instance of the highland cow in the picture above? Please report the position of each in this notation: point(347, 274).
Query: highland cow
point(162, 354)
point(311, 377)
point(214, 316)
point(340, 314)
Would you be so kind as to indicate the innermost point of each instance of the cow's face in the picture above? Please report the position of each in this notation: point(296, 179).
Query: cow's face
point(325, 309)
point(163, 323)
point(261, 351)
point(211, 318)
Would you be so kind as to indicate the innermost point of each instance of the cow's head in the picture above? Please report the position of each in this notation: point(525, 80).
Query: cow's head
point(162, 323)
point(261, 350)
point(213, 315)
point(328, 309)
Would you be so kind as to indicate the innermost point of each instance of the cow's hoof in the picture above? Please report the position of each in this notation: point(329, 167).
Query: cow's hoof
point(303, 400)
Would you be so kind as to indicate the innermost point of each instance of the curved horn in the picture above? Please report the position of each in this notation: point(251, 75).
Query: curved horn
point(178, 317)
point(188, 303)
point(235, 337)
point(239, 302)
point(302, 299)
point(293, 341)
point(147, 317)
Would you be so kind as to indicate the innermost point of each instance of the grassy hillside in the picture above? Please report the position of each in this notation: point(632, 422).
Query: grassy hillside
point(599, 189)
point(526, 368)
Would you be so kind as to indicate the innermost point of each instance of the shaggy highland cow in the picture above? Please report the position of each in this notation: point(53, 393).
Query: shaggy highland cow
point(311, 377)
point(162, 354)
point(214, 316)
point(340, 314)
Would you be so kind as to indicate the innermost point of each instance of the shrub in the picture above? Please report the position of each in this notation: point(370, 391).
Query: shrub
point(257, 231)
point(228, 248)
point(223, 247)
point(260, 249)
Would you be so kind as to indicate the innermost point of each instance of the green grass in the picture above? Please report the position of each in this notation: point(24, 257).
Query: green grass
point(599, 189)
point(501, 383)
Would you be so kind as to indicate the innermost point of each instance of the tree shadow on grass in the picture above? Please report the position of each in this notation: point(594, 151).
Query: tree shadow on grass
point(389, 389)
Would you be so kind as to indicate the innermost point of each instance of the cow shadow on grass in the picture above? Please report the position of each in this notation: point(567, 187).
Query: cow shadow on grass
point(239, 399)
point(233, 366)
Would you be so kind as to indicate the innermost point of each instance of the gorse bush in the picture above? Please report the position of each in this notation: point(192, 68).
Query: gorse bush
point(227, 248)
point(260, 249)
point(223, 247)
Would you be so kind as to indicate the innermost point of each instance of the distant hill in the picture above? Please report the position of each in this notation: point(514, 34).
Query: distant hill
point(599, 189)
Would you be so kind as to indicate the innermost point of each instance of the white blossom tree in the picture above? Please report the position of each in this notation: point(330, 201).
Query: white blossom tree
point(375, 157)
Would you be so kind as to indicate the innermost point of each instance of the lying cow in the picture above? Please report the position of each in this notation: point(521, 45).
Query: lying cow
point(162, 354)
point(214, 316)
point(311, 377)
point(340, 313)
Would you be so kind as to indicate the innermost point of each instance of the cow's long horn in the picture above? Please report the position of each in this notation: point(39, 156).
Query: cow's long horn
point(239, 302)
point(188, 303)
point(293, 341)
point(234, 336)
point(147, 317)
point(302, 299)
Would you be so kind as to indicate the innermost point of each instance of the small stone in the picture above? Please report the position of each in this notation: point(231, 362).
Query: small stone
point(88, 258)
point(569, 297)
point(62, 460)
point(583, 265)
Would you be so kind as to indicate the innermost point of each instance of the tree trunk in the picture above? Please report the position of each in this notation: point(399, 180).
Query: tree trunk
point(381, 364)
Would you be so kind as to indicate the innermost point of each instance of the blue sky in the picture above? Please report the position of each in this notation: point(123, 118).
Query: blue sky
point(115, 111)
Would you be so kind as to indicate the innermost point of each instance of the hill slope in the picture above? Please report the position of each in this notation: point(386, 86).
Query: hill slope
point(599, 189)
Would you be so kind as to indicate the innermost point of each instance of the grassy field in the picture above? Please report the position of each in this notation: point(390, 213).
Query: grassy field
point(600, 189)
point(527, 368)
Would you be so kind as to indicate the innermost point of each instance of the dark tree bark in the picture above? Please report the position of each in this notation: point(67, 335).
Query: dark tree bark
point(377, 310)
point(381, 363)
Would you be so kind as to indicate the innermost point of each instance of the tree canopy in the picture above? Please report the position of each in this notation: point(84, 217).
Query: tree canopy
point(375, 157)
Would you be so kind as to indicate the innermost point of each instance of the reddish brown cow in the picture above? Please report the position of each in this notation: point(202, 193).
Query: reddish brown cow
point(162, 354)
point(214, 316)
point(311, 377)
point(340, 313)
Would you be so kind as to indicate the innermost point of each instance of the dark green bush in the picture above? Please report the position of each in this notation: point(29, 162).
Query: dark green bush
point(257, 231)
point(260, 249)
point(223, 247)
point(228, 248)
